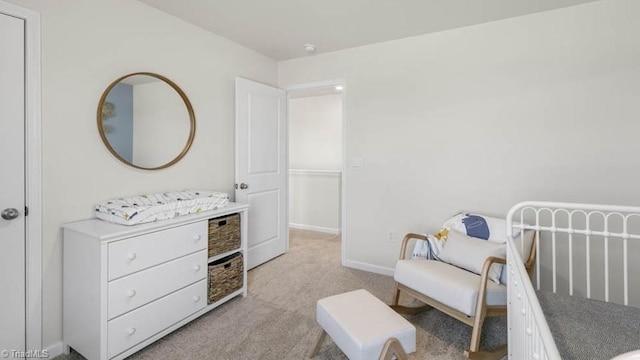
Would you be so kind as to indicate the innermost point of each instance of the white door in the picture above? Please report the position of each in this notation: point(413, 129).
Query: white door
point(262, 167)
point(12, 188)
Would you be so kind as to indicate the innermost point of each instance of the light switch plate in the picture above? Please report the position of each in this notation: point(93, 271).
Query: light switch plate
point(357, 163)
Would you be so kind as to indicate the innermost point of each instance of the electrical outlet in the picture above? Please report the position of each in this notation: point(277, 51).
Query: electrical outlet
point(390, 239)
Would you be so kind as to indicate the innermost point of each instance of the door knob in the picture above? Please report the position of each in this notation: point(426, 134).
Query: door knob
point(10, 213)
point(244, 186)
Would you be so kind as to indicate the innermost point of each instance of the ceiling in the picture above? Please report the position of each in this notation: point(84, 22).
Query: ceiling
point(280, 28)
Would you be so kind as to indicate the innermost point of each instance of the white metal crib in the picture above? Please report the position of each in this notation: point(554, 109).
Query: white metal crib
point(562, 229)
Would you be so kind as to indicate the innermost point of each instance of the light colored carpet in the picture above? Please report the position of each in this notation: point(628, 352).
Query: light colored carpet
point(277, 318)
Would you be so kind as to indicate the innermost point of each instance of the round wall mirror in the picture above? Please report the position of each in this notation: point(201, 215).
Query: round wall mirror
point(146, 121)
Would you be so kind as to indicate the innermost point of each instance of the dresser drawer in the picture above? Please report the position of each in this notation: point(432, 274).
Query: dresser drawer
point(140, 324)
point(141, 252)
point(130, 292)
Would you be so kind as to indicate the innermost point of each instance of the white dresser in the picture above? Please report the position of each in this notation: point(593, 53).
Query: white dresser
point(125, 287)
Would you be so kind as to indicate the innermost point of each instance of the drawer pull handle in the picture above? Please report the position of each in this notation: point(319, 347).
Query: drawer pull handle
point(196, 267)
point(132, 256)
point(131, 293)
point(222, 223)
point(131, 331)
point(197, 237)
point(196, 298)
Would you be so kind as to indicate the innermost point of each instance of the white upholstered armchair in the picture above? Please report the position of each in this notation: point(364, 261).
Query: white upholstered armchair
point(465, 281)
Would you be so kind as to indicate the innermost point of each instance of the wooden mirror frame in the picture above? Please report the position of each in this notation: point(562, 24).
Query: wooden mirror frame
point(183, 96)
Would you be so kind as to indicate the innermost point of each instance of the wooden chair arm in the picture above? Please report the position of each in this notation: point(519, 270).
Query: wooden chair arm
point(484, 277)
point(405, 240)
point(485, 269)
point(490, 260)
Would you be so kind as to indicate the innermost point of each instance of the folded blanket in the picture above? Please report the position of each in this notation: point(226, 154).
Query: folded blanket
point(429, 249)
point(153, 207)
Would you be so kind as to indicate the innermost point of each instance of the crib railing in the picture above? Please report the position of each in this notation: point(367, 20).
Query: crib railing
point(529, 336)
point(570, 225)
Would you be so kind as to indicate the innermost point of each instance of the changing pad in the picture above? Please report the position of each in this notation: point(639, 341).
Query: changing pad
point(153, 207)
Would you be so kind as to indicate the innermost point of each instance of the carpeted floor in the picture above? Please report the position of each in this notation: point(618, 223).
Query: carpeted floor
point(277, 318)
point(578, 326)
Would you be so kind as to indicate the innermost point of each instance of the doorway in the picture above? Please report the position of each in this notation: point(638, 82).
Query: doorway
point(316, 157)
point(12, 222)
point(20, 182)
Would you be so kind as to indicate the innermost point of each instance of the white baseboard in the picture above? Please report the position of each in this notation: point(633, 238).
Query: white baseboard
point(315, 228)
point(55, 349)
point(368, 267)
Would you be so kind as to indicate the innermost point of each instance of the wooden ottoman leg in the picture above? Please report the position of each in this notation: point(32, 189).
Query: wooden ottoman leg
point(393, 347)
point(316, 347)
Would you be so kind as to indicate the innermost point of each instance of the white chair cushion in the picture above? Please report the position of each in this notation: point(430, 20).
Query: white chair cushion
point(360, 324)
point(448, 284)
point(470, 254)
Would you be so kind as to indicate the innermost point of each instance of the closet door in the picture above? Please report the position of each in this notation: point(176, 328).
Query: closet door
point(12, 185)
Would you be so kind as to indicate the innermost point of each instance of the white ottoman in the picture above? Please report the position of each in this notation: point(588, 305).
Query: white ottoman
point(360, 324)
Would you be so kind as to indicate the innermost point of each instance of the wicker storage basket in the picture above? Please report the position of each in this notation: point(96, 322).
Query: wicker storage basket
point(224, 234)
point(225, 276)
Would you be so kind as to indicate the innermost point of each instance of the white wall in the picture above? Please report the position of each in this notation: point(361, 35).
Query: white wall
point(314, 201)
point(85, 46)
point(315, 143)
point(539, 107)
point(315, 132)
